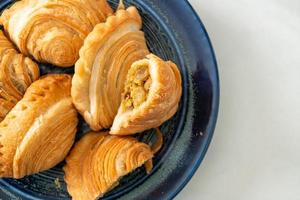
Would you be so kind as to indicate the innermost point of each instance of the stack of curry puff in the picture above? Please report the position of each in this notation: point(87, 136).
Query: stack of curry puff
point(119, 87)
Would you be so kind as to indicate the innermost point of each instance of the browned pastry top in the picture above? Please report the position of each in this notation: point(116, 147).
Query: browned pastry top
point(99, 160)
point(53, 31)
point(17, 72)
point(100, 73)
point(39, 131)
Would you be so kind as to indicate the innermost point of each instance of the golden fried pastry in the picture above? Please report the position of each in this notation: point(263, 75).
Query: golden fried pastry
point(17, 72)
point(98, 161)
point(100, 73)
point(152, 93)
point(53, 31)
point(39, 131)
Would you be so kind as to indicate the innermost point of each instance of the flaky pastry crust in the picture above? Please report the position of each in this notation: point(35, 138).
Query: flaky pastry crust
point(39, 131)
point(17, 72)
point(53, 31)
point(100, 73)
point(99, 160)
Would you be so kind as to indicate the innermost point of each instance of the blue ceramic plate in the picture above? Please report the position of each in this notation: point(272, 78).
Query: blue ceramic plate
point(175, 32)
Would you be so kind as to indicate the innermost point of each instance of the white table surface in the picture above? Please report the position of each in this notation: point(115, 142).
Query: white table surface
point(255, 152)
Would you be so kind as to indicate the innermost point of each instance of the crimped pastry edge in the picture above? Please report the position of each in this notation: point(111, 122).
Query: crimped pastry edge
point(99, 33)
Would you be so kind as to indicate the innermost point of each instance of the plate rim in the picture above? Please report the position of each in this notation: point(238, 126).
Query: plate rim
point(215, 103)
point(214, 113)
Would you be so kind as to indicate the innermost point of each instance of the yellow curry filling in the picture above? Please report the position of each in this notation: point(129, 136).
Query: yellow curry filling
point(136, 87)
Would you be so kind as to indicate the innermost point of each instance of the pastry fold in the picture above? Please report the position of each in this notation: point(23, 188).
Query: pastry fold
point(39, 131)
point(17, 72)
point(152, 94)
point(99, 160)
point(52, 31)
point(100, 73)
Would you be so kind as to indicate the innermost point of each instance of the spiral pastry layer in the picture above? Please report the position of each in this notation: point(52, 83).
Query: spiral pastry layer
point(98, 161)
point(105, 58)
point(17, 72)
point(52, 31)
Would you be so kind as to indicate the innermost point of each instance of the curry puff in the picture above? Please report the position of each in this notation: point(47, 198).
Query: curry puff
point(105, 58)
point(98, 161)
point(17, 72)
point(52, 31)
point(39, 131)
point(151, 97)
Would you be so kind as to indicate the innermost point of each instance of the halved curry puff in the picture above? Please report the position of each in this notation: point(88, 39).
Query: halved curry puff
point(152, 94)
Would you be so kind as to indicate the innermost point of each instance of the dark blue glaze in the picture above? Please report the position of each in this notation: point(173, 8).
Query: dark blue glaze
point(173, 31)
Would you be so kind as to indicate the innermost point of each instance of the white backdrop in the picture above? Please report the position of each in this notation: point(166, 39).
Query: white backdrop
point(255, 153)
